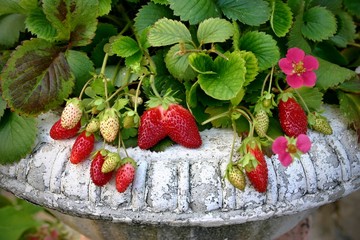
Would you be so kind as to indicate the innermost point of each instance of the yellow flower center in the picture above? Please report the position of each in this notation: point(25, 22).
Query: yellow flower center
point(298, 68)
point(291, 148)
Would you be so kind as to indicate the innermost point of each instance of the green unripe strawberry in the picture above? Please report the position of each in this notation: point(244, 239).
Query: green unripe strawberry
point(72, 113)
point(93, 125)
point(111, 162)
point(261, 123)
point(236, 176)
point(109, 124)
point(321, 124)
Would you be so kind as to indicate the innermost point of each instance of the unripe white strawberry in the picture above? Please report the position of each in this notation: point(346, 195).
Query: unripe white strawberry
point(261, 123)
point(72, 113)
point(111, 162)
point(109, 124)
point(93, 125)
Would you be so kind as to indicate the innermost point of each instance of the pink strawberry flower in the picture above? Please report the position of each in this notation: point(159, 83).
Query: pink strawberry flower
point(289, 148)
point(299, 68)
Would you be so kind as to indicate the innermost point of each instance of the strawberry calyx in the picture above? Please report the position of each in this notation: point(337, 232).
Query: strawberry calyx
point(284, 96)
point(248, 160)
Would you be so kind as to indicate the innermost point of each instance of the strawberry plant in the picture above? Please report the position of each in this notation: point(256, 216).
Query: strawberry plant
point(156, 73)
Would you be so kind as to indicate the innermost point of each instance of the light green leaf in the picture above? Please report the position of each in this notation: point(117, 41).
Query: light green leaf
point(250, 12)
point(104, 7)
point(41, 71)
point(161, 1)
point(281, 18)
point(201, 63)
point(329, 74)
point(224, 122)
point(263, 46)
point(134, 62)
point(194, 11)
point(177, 63)
point(81, 66)
point(252, 67)
point(38, 24)
point(214, 30)
point(17, 136)
point(2, 106)
point(11, 25)
point(318, 24)
point(149, 14)
point(346, 31)
point(167, 32)
point(296, 39)
point(124, 46)
point(229, 79)
point(312, 97)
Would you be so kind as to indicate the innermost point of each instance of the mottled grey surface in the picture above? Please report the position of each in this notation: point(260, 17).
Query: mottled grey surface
point(185, 187)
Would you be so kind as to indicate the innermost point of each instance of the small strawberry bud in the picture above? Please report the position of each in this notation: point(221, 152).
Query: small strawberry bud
point(72, 113)
point(111, 162)
point(109, 124)
point(261, 123)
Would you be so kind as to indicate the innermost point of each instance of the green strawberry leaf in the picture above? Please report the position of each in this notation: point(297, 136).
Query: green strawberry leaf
point(350, 108)
point(2, 106)
point(104, 7)
point(123, 46)
point(201, 63)
point(178, 63)
point(296, 38)
point(223, 122)
point(281, 18)
point(229, 78)
point(312, 97)
point(318, 24)
point(17, 136)
point(41, 71)
point(167, 32)
point(11, 25)
point(81, 66)
point(149, 14)
point(346, 31)
point(252, 67)
point(251, 12)
point(329, 74)
point(351, 86)
point(263, 46)
point(194, 11)
point(353, 6)
point(11, 6)
point(214, 30)
point(38, 24)
point(161, 1)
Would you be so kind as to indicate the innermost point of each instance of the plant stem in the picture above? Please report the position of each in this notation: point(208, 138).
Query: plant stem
point(302, 100)
point(102, 74)
point(224, 114)
point(233, 140)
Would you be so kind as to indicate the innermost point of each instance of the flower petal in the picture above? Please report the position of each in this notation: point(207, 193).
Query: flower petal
point(295, 81)
point(309, 79)
point(285, 159)
point(286, 66)
point(310, 63)
point(303, 143)
point(295, 54)
point(279, 146)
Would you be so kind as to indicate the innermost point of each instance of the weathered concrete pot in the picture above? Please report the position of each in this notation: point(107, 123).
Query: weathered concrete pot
point(181, 193)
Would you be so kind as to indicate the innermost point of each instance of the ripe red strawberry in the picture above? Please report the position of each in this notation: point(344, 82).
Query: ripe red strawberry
point(292, 117)
point(125, 175)
point(151, 129)
point(82, 147)
point(72, 113)
point(109, 124)
point(181, 127)
point(57, 132)
point(258, 176)
point(97, 176)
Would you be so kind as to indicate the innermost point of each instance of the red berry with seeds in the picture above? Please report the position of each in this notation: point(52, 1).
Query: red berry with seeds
point(57, 132)
point(293, 119)
point(151, 129)
point(82, 147)
point(125, 175)
point(97, 176)
point(181, 126)
point(258, 176)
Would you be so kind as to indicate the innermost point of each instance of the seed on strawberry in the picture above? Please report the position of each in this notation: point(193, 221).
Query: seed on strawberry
point(261, 123)
point(72, 113)
point(111, 162)
point(109, 124)
point(97, 176)
point(236, 176)
point(57, 132)
point(125, 174)
point(151, 129)
point(82, 147)
point(292, 117)
point(181, 127)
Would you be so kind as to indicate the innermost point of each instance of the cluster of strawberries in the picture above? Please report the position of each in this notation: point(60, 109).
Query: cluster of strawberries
point(104, 163)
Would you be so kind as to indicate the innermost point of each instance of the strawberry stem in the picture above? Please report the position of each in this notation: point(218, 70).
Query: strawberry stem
point(302, 100)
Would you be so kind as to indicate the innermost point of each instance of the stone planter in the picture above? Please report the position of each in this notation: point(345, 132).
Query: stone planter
point(181, 193)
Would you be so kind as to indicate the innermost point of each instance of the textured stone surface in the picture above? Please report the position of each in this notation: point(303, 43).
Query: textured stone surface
point(185, 187)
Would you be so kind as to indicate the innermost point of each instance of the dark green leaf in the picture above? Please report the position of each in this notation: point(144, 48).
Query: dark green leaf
point(36, 78)
point(350, 107)
point(312, 97)
point(296, 39)
point(2, 106)
point(11, 25)
point(194, 11)
point(346, 31)
point(353, 6)
point(251, 12)
point(351, 86)
point(17, 136)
